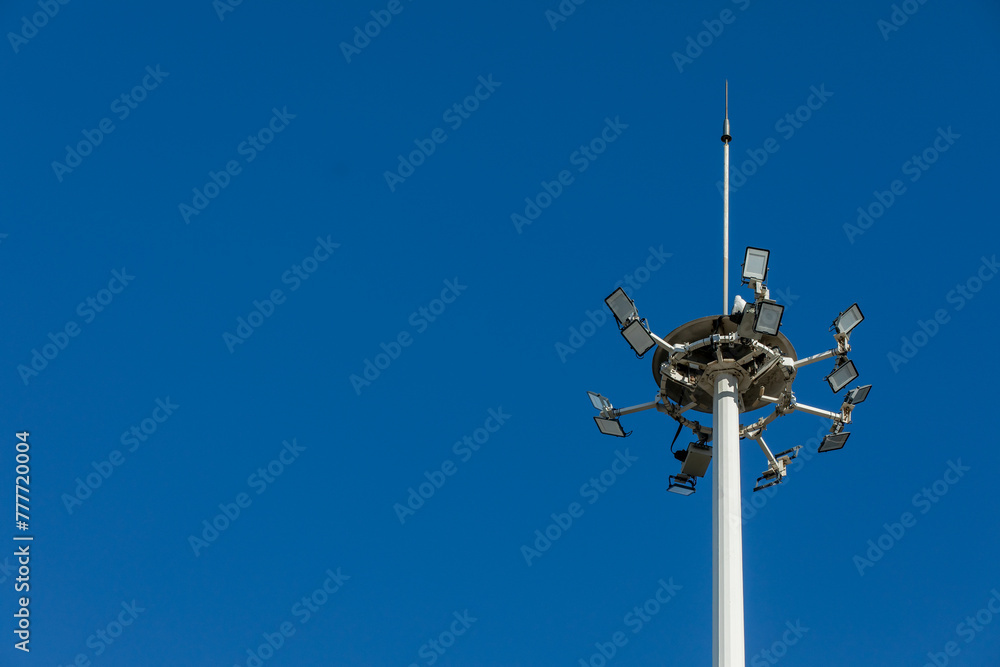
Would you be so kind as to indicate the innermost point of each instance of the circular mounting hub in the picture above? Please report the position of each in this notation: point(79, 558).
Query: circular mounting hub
point(698, 364)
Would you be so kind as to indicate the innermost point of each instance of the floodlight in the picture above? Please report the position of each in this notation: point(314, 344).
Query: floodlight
point(600, 402)
point(681, 485)
point(842, 375)
point(857, 395)
point(848, 319)
point(610, 427)
point(697, 460)
point(768, 317)
point(755, 264)
point(637, 336)
point(832, 441)
point(622, 307)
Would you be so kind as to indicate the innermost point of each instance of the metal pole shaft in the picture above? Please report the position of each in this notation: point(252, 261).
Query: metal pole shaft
point(725, 229)
point(727, 528)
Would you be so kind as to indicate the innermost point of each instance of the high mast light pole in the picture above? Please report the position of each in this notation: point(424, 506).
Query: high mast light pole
point(727, 365)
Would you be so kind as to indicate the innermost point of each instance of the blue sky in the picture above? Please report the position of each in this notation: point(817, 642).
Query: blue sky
point(269, 279)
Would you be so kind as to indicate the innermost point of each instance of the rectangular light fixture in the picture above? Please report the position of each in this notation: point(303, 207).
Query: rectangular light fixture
point(832, 441)
point(848, 319)
point(681, 485)
point(697, 460)
point(610, 426)
point(622, 307)
point(600, 402)
point(638, 337)
point(857, 395)
point(755, 264)
point(842, 375)
point(767, 318)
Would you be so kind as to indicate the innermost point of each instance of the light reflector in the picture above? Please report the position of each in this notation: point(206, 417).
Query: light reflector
point(610, 426)
point(848, 319)
point(768, 318)
point(638, 337)
point(682, 485)
point(600, 402)
point(755, 264)
point(622, 307)
point(842, 376)
point(832, 441)
point(858, 395)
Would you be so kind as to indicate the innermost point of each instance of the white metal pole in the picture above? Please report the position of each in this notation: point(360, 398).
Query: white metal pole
point(727, 527)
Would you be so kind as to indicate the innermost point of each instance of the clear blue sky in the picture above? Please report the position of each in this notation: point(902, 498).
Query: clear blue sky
point(214, 216)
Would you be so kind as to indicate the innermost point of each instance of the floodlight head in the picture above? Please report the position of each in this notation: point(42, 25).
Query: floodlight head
point(600, 402)
point(832, 441)
point(755, 264)
point(843, 375)
point(857, 395)
point(638, 337)
point(622, 307)
point(610, 427)
point(848, 319)
point(767, 318)
point(681, 484)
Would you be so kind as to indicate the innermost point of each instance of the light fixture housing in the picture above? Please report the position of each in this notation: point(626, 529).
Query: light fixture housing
point(832, 441)
point(767, 317)
point(697, 460)
point(843, 375)
point(610, 427)
point(681, 484)
point(600, 402)
point(848, 319)
point(622, 307)
point(857, 395)
point(638, 337)
point(755, 264)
